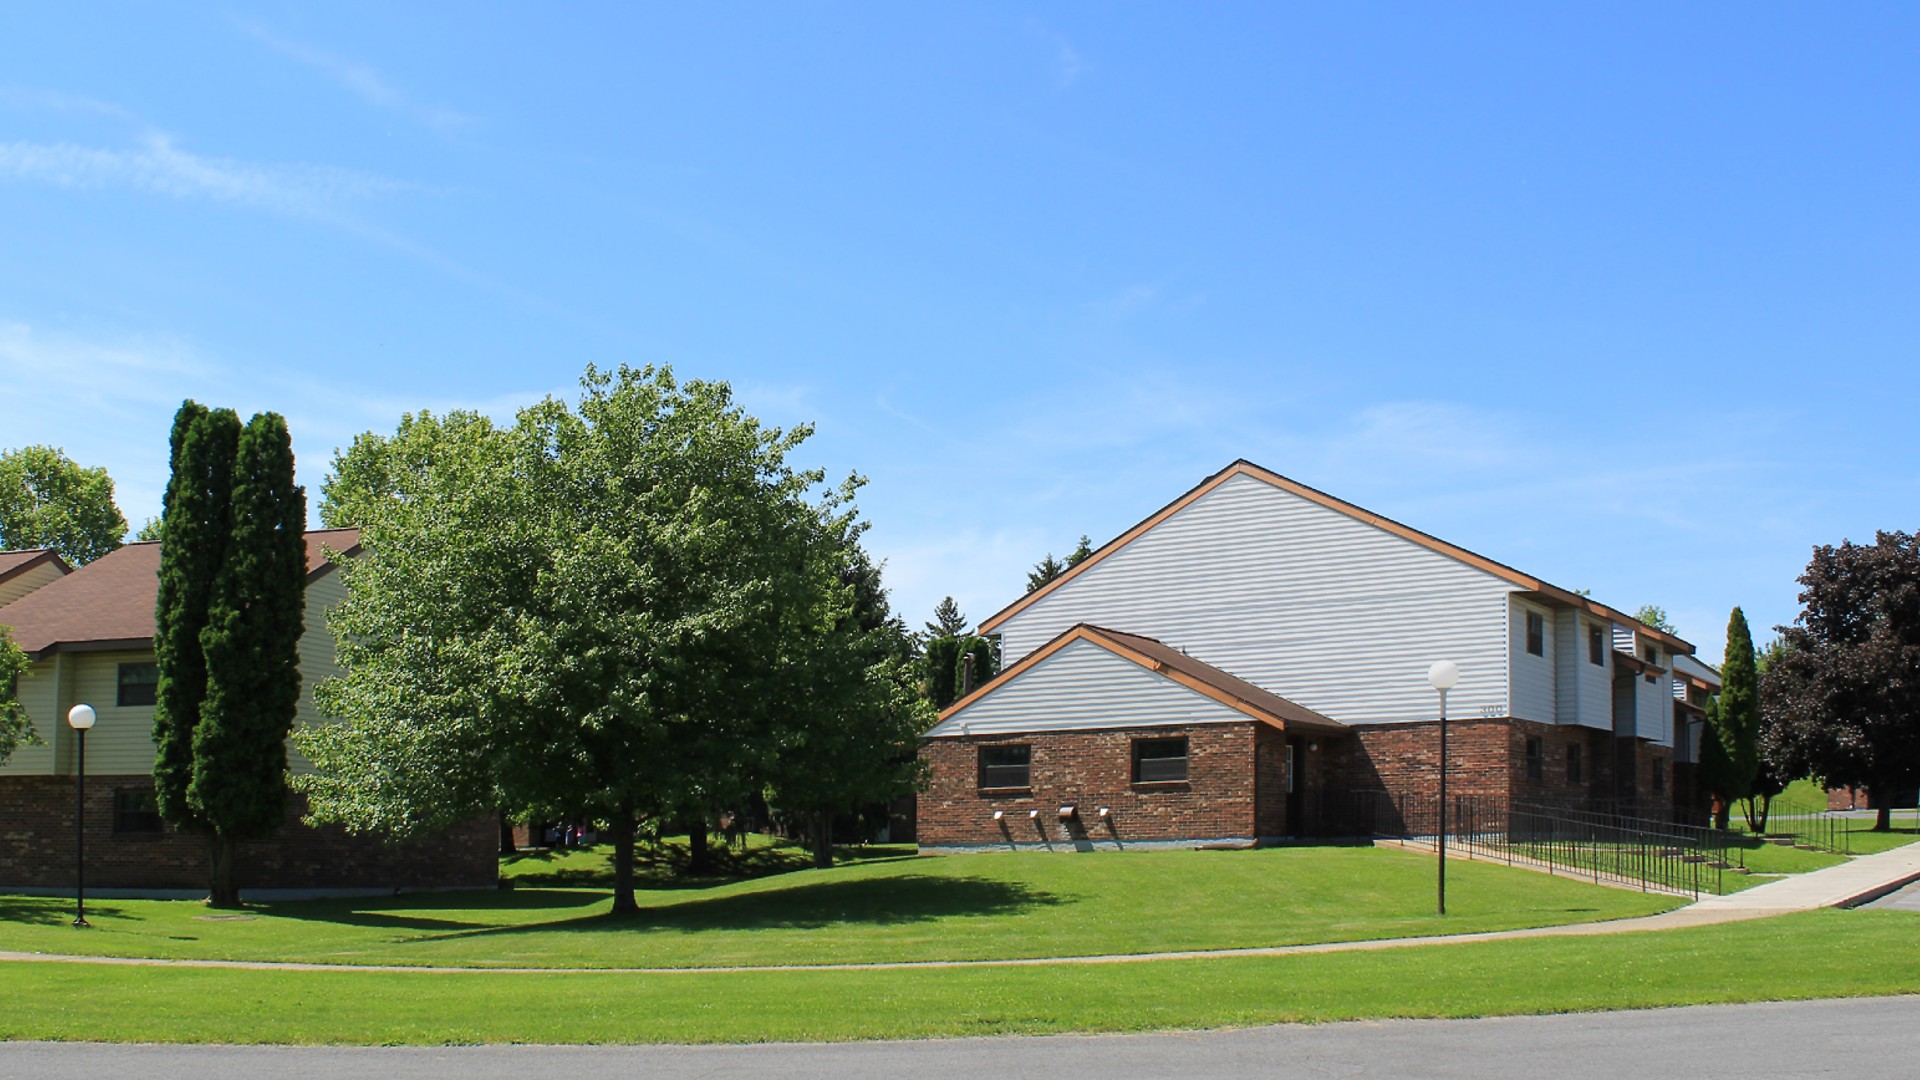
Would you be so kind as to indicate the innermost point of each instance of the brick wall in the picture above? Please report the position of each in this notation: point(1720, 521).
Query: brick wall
point(1088, 770)
point(37, 848)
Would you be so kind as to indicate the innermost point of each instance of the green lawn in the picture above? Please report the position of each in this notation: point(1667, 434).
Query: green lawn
point(1811, 955)
point(886, 909)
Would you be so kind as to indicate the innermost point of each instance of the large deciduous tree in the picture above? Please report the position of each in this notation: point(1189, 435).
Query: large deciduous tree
point(600, 609)
point(47, 500)
point(1842, 695)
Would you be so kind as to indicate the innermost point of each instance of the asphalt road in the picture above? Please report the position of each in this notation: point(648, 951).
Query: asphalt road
point(1907, 899)
point(1848, 1038)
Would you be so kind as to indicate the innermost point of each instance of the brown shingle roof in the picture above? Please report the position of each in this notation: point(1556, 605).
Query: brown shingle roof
point(108, 603)
point(19, 562)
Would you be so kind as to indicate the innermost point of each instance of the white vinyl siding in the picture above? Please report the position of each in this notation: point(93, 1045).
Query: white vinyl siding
point(1301, 600)
point(1085, 687)
point(1594, 683)
point(1653, 705)
point(1533, 676)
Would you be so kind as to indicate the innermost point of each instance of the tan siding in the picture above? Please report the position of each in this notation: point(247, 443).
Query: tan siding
point(18, 587)
point(121, 742)
point(316, 656)
point(1336, 614)
point(39, 693)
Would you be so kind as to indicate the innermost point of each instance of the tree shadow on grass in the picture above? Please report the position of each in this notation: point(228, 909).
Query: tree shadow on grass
point(51, 910)
point(665, 866)
point(413, 911)
point(912, 898)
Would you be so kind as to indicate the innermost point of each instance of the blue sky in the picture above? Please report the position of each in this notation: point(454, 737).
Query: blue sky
point(1623, 296)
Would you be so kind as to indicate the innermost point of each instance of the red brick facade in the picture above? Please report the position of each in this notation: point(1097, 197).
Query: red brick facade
point(1222, 798)
point(37, 848)
point(1237, 786)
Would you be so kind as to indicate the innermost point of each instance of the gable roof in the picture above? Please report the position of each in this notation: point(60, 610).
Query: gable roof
point(108, 603)
point(1203, 678)
point(15, 563)
point(1243, 467)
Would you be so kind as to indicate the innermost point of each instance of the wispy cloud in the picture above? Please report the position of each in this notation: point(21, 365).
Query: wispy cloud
point(159, 165)
point(1068, 65)
point(362, 81)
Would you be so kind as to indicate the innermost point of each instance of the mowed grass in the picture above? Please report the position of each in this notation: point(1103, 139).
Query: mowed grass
point(988, 906)
point(1811, 955)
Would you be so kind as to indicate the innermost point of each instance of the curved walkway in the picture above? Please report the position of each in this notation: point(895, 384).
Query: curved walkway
point(1857, 881)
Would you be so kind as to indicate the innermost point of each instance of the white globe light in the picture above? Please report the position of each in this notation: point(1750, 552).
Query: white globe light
point(1444, 675)
point(80, 717)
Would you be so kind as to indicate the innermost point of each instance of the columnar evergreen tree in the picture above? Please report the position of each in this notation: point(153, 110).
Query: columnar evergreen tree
point(938, 662)
point(198, 512)
point(251, 645)
point(1740, 709)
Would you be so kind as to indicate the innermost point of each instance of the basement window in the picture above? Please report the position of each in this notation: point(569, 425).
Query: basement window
point(1160, 761)
point(135, 812)
point(1536, 633)
point(1006, 767)
point(138, 682)
point(1536, 760)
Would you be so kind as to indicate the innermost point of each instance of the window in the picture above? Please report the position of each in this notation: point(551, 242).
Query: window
point(135, 811)
point(1292, 761)
point(1160, 761)
point(1573, 763)
point(1659, 775)
point(1006, 766)
point(1536, 633)
point(137, 684)
point(1536, 760)
point(1596, 647)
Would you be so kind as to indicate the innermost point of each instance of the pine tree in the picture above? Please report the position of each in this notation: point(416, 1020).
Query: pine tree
point(1740, 708)
point(948, 620)
point(251, 645)
point(1044, 571)
point(197, 512)
point(1080, 551)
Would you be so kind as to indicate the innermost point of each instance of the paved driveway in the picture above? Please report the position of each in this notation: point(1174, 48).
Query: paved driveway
point(1849, 1038)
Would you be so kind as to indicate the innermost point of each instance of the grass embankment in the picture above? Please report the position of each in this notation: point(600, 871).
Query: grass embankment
point(1812, 955)
point(990, 906)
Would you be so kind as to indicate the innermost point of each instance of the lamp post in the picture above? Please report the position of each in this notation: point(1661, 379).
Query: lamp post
point(1443, 677)
point(80, 718)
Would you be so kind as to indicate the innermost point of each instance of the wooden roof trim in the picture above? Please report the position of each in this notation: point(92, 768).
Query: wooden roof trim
point(1243, 467)
point(1061, 641)
point(1093, 635)
point(46, 555)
